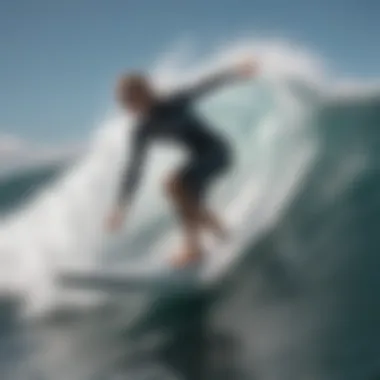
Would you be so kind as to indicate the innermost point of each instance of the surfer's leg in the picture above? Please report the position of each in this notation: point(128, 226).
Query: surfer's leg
point(187, 209)
point(188, 190)
point(195, 214)
point(199, 178)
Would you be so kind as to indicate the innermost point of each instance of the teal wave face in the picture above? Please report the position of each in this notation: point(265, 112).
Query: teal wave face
point(305, 295)
point(19, 187)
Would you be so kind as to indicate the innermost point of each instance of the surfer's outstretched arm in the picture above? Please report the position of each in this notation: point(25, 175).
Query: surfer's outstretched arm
point(212, 82)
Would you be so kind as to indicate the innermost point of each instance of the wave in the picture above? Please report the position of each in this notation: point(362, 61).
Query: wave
point(272, 122)
point(304, 296)
point(301, 301)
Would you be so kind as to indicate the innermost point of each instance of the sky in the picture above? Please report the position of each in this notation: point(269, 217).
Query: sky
point(59, 59)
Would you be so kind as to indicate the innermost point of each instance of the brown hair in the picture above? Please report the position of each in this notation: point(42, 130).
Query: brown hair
point(134, 85)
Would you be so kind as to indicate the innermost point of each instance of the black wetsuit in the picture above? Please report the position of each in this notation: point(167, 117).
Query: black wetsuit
point(173, 120)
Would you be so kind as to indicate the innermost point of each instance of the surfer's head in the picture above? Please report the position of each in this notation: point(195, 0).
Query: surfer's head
point(135, 92)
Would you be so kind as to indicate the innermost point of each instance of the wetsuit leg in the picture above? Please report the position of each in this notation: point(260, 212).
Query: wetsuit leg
point(200, 172)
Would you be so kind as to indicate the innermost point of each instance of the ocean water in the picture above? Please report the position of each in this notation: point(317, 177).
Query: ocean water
point(299, 302)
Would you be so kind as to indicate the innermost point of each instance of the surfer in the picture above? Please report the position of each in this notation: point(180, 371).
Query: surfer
point(172, 119)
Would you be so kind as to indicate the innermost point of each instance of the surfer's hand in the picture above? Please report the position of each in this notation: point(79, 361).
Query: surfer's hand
point(247, 68)
point(115, 220)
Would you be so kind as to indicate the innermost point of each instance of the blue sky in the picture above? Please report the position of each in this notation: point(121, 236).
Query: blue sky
point(59, 58)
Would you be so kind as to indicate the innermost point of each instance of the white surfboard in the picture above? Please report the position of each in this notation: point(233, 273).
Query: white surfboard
point(161, 276)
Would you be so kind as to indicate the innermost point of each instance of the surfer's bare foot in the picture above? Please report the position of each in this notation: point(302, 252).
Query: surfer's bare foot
point(186, 258)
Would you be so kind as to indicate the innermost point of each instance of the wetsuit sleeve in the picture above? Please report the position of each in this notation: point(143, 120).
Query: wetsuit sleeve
point(206, 86)
point(132, 173)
